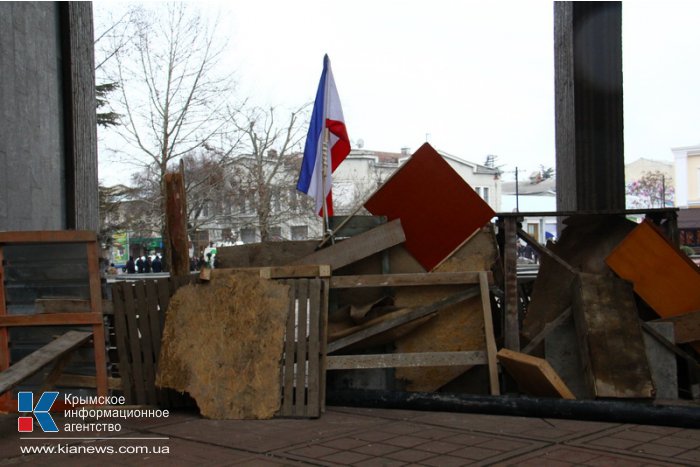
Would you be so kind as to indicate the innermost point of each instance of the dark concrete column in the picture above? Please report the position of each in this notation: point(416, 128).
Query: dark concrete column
point(588, 106)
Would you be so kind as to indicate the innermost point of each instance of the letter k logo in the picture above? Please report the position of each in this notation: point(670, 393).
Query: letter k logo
point(25, 403)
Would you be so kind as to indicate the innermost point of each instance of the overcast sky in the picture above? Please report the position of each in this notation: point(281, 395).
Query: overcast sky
point(473, 78)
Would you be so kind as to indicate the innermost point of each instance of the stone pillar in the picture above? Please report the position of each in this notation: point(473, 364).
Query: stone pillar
point(588, 106)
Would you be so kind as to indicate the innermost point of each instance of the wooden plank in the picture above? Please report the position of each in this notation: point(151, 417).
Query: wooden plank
point(548, 328)
point(670, 346)
point(686, 327)
point(98, 338)
point(48, 236)
point(535, 376)
point(122, 335)
point(350, 226)
point(397, 360)
point(359, 247)
point(4, 340)
point(134, 345)
point(34, 362)
point(305, 270)
point(287, 409)
point(403, 280)
point(264, 254)
point(53, 319)
point(145, 342)
point(313, 403)
point(662, 275)
point(416, 313)
point(604, 306)
point(61, 305)
point(301, 357)
point(55, 372)
point(488, 333)
point(511, 331)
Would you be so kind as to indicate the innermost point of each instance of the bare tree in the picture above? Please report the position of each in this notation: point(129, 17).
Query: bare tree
point(172, 99)
point(266, 172)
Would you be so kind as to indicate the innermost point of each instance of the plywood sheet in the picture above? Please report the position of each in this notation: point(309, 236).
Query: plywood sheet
point(535, 376)
point(439, 211)
point(662, 275)
point(223, 343)
point(456, 328)
point(263, 254)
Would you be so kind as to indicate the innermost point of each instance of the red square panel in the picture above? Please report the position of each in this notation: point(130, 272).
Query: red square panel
point(25, 424)
point(437, 208)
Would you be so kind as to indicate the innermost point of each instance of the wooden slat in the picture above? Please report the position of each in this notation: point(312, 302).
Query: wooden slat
point(415, 314)
point(300, 383)
point(98, 338)
point(122, 334)
point(82, 381)
point(313, 403)
point(61, 305)
point(134, 345)
point(287, 409)
point(535, 376)
point(488, 333)
point(52, 319)
point(41, 357)
point(401, 280)
point(48, 236)
point(4, 340)
point(686, 328)
point(145, 342)
point(153, 317)
point(303, 270)
point(396, 360)
point(511, 331)
point(324, 339)
point(359, 247)
point(55, 372)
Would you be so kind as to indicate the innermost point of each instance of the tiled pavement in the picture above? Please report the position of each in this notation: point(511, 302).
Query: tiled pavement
point(371, 437)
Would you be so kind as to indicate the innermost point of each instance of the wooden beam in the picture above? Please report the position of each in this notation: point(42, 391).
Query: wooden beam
point(669, 345)
point(401, 280)
point(82, 381)
point(488, 334)
point(358, 247)
point(545, 251)
point(61, 305)
point(176, 223)
point(41, 357)
point(51, 319)
point(48, 236)
point(416, 313)
point(548, 328)
point(395, 360)
point(686, 328)
point(304, 270)
point(511, 331)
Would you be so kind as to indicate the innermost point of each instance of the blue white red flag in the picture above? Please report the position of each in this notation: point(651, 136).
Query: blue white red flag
point(327, 113)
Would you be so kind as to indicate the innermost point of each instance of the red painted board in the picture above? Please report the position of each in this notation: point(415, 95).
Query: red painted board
point(438, 210)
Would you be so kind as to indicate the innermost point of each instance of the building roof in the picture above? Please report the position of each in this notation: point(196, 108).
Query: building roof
point(525, 187)
point(398, 157)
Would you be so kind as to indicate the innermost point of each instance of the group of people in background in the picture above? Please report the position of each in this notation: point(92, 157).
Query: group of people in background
point(144, 264)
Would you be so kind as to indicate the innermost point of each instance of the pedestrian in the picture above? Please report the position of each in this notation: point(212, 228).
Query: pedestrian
point(148, 265)
point(130, 266)
point(157, 264)
point(141, 265)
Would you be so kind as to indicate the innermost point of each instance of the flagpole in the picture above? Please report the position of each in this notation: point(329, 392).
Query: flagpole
point(324, 174)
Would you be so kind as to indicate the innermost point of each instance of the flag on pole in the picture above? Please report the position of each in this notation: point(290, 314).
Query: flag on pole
point(327, 114)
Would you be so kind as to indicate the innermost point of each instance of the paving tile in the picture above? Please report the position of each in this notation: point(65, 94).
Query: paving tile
point(405, 441)
point(380, 462)
point(315, 451)
point(561, 455)
point(687, 443)
point(410, 455)
point(659, 450)
point(377, 449)
point(266, 461)
point(439, 447)
point(693, 456)
point(475, 453)
point(634, 435)
point(344, 443)
point(465, 439)
point(444, 461)
point(346, 458)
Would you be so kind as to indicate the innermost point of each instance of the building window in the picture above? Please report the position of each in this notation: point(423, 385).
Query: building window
point(478, 190)
point(300, 232)
point(276, 233)
point(247, 235)
point(485, 194)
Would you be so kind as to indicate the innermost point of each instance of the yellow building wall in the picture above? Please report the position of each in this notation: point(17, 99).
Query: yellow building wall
point(693, 178)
